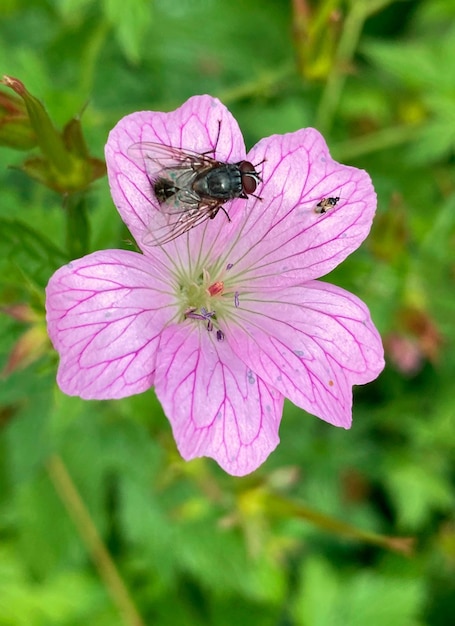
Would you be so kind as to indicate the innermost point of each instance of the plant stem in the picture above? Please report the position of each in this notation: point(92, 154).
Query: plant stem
point(90, 56)
point(80, 515)
point(265, 82)
point(77, 225)
point(353, 25)
point(278, 504)
point(374, 142)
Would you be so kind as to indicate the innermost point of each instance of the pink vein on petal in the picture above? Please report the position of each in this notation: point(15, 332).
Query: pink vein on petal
point(313, 343)
point(284, 240)
point(217, 407)
point(105, 313)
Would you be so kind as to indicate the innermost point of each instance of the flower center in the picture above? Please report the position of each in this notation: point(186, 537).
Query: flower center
point(206, 300)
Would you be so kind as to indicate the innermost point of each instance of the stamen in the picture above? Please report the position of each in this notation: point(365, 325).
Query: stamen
point(190, 311)
point(236, 299)
point(203, 315)
point(220, 335)
point(229, 266)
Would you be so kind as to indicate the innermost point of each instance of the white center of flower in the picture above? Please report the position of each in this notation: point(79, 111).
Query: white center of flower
point(206, 299)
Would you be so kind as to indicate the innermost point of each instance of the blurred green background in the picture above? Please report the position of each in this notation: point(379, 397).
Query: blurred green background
point(101, 522)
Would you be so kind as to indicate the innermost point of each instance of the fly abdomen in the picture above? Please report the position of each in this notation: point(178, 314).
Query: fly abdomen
point(164, 189)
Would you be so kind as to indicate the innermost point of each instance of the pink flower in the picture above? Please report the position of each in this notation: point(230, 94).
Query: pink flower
point(227, 319)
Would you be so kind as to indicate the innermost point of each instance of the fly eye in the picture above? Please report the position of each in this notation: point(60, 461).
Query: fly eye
point(250, 177)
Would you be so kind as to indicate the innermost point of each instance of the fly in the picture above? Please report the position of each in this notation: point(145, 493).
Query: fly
point(325, 204)
point(190, 187)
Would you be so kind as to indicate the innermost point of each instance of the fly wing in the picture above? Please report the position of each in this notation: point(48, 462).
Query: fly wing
point(178, 200)
point(179, 221)
point(175, 181)
point(171, 172)
point(157, 156)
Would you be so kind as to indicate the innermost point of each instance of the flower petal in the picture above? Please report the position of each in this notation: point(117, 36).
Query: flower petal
point(312, 343)
point(284, 240)
point(104, 314)
point(217, 407)
point(200, 125)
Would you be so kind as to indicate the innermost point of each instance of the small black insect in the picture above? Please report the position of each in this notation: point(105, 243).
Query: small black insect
point(325, 204)
point(191, 187)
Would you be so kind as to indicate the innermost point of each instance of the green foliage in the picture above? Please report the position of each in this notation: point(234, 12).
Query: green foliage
point(328, 598)
point(26, 255)
point(130, 19)
point(65, 599)
point(191, 545)
point(424, 77)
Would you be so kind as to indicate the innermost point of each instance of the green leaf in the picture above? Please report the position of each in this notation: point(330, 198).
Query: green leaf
point(74, 138)
point(28, 257)
point(436, 140)
point(258, 579)
point(424, 64)
point(327, 597)
point(417, 492)
point(410, 63)
point(130, 19)
point(72, 9)
point(318, 595)
point(64, 599)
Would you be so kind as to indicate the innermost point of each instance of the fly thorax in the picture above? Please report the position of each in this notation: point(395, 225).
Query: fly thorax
point(223, 182)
